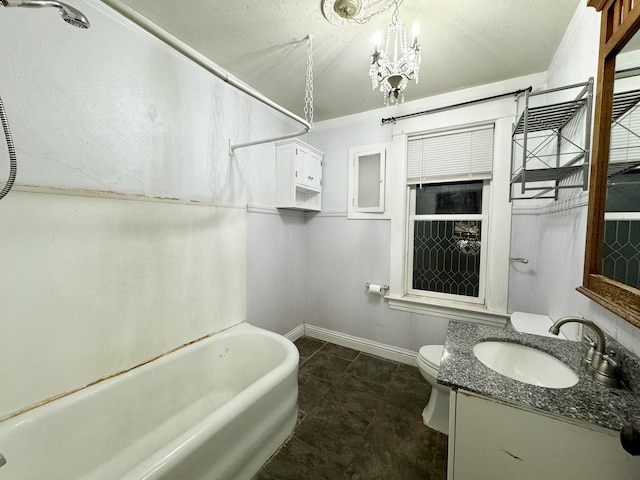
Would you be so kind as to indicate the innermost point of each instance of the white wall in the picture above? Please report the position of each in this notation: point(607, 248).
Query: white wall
point(95, 282)
point(96, 278)
point(94, 286)
point(345, 254)
point(277, 261)
point(552, 236)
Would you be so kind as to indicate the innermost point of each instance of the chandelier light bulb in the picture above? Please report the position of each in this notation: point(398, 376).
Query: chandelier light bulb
point(376, 40)
point(415, 31)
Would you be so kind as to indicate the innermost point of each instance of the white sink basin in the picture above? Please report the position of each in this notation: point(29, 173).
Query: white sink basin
point(525, 364)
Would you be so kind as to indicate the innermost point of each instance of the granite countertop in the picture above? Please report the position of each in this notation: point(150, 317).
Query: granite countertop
point(585, 401)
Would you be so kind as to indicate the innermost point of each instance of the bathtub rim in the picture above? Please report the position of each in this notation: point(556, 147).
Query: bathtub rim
point(210, 422)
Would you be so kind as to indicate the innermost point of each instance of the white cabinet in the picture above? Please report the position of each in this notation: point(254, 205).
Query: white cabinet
point(491, 440)
point(298, 176)
point(367, 181)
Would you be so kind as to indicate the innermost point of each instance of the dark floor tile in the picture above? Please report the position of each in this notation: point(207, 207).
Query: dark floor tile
point(359, 419)
point(408, 392)
point(415, 385)
point(340, 351)
point(409, 371)
point(300, 461)
point(301, 415)
point(404, 435)
point(373, 463)
point(334, 429)
point(325, 367)
point(334, 432)
point(311, 391)
point(308, 346)
point(373, 369)
point(439, 468)
point(411, 403)
point(356, 396)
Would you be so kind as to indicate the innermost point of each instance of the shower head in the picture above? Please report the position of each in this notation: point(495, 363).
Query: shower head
point(67, 12)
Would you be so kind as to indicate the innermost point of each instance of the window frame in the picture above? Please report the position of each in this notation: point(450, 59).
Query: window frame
point(494, 311)
point(412, 218)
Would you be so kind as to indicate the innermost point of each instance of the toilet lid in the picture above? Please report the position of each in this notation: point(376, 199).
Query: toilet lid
point(431, 355)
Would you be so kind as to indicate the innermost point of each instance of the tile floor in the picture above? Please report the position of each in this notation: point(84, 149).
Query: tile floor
point(360, 417)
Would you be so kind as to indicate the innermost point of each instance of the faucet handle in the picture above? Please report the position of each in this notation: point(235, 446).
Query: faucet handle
point(607, 371)
point(607, 365)
point(588, 356)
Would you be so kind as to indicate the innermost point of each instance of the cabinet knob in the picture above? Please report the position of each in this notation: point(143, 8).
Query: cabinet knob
point(310, 178)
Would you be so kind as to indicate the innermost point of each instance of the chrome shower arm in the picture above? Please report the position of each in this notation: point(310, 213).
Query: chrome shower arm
point(30, 3)
point(69, 14)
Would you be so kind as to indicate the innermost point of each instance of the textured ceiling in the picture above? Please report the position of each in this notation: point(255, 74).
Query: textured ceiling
point(464, 43)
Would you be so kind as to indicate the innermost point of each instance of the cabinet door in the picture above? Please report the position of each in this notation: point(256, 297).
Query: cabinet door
point(308, 169)
point(314, 170)
point(367, 181)
point(493, 440)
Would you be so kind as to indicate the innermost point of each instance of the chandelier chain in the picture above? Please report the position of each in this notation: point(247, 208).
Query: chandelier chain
point(396, 12)
point(308, 91)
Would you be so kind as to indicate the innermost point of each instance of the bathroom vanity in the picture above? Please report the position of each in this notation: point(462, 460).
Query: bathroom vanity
point(504, 428)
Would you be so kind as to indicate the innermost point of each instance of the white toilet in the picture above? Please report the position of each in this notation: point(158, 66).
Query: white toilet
point(436, 413)
point(533, 323)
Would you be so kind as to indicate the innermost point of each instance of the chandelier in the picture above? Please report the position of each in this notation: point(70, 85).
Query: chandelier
point(391, 71)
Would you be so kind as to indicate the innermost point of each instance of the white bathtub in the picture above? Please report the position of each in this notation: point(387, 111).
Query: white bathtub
point(216, 409)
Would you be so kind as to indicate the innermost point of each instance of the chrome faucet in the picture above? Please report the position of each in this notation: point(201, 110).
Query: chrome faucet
point(603, 368)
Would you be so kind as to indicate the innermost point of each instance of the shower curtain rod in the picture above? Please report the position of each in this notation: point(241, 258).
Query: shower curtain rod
point(211, 67)
point(455, 105)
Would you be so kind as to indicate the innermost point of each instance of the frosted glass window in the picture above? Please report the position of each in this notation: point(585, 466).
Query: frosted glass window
point(369, 181)
point(367, 169)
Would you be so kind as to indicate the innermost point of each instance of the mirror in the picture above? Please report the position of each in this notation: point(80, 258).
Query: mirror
point(611, 275)
point(621, 239)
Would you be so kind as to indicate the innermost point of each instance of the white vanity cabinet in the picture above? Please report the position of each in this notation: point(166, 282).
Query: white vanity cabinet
point(298, 176)
point(490, 440)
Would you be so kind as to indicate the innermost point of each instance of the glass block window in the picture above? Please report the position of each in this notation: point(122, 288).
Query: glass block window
point(446, 251)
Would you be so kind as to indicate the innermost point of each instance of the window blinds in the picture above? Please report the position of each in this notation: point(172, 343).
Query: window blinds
point(625, 142)
point(452, 155)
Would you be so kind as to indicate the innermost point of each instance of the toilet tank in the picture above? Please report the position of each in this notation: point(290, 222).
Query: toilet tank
point(533, 323)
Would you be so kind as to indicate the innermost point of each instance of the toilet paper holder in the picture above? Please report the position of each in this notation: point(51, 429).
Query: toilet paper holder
point(374, 288)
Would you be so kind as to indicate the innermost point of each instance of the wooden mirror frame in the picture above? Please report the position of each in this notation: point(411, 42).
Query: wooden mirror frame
point(619, 22)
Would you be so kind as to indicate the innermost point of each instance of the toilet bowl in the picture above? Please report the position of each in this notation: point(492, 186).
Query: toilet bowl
point(436, 413)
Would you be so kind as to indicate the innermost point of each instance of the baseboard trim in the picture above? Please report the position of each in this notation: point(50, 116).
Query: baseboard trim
point(296, 333)
point(362, 344)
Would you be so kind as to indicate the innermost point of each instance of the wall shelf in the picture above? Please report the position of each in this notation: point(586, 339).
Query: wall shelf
point(551, 143)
